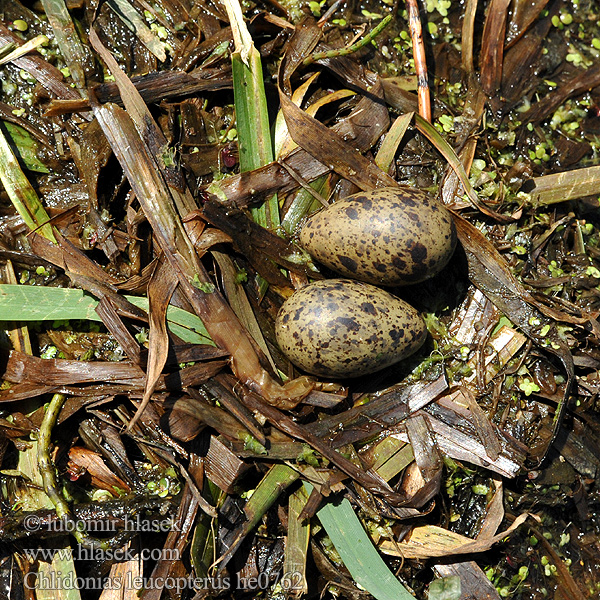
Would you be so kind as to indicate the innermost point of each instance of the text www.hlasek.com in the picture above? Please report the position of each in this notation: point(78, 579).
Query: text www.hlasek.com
point(118, 554)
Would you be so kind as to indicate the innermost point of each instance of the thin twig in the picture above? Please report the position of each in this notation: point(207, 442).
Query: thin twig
point(329, 12)
point(416, 34)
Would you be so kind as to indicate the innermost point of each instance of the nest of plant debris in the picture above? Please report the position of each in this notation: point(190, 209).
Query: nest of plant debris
point(156, 440)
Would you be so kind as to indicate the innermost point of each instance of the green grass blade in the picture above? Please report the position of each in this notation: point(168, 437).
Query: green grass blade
point(185, 325)
point(358, 553)
point(252, 122)
point(251, 111)
point(27, 147)
point(36, 303)
point(252, 119)
point(21, 193)
point(278, 478)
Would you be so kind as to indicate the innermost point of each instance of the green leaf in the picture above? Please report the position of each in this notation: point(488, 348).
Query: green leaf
point(37, 303)
point(267, 491)
point(358, 552)
point(21, 193)
point(27, 148)
point(252, 123)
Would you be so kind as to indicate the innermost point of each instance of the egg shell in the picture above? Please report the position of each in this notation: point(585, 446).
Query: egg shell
point(389, 236)
point(342, 328)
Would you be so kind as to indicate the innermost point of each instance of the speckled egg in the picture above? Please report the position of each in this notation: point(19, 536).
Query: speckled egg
point(341, 328)
point(389, 236)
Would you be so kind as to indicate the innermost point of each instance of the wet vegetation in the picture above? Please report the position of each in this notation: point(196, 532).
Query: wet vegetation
point(157, 162)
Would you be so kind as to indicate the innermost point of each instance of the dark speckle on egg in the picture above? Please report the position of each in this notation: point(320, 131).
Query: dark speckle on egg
point(368, 308)
point(418, 252)
point(368, 330)
point(348, 263)
point(390, 236)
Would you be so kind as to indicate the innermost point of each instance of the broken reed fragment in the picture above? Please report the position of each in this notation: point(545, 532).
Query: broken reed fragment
point(130, 17)
point(77, 56)
point(27, 47)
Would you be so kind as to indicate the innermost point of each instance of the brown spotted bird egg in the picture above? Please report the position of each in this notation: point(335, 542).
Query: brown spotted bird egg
point(342, 328)
point(389, 236)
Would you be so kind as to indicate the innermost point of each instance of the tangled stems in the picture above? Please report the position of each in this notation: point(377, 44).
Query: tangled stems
point(45, 464)
point(51, 484)
point(349, 49)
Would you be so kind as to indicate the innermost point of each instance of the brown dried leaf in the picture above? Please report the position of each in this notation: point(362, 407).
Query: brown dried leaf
point(330, 149)
point(522, 16)
point(585, 80)
point(427, 460)
point(24, 368)
point(222, 466)
point(281, 421)
point(160, 289)
point(457, 436)
point(522, 61)
point(492, 45)
point(494, 513)
point(304, 40)
point(152, 88)
point(117, 328)
point(427, 541)
point(158, 204)
point(102, 476)
point(169, 566)
point(383, 412)
point(259, 246)
point(48, 75)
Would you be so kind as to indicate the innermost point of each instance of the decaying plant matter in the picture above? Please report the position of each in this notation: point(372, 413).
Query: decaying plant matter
point(157, 161)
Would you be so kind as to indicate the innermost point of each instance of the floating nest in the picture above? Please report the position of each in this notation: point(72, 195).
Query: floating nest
point(157, 162)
